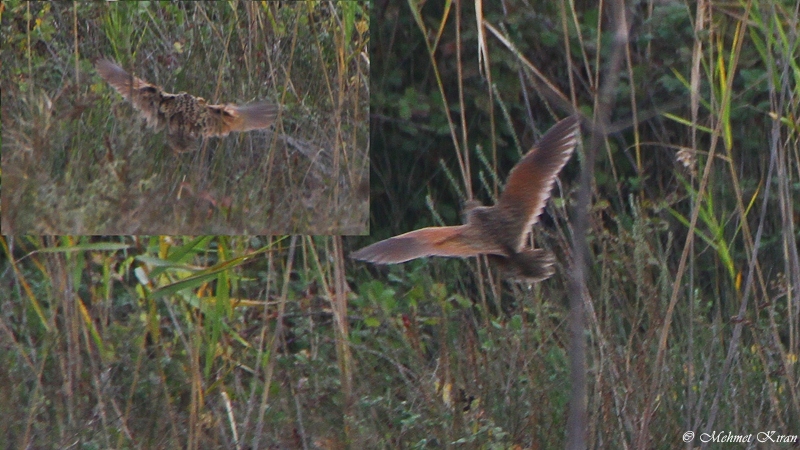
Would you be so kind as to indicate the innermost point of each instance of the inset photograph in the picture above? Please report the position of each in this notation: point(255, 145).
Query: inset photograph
point(186, 118)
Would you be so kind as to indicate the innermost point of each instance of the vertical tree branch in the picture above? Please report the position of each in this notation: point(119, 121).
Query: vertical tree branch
point(577, 421)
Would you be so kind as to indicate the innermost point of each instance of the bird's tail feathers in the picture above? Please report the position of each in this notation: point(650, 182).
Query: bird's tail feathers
point(528, 266)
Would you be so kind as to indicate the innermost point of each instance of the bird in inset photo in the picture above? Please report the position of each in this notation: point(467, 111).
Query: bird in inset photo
point(185, 116)
point(500, 231)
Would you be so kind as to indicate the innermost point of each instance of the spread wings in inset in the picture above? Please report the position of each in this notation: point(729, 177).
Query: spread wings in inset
point(185, 116)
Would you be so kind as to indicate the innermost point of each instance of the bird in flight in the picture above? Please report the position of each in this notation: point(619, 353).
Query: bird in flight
point(185, 116)
point(500, 231)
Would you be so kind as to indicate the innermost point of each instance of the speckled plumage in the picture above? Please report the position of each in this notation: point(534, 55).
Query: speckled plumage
point(185, 116)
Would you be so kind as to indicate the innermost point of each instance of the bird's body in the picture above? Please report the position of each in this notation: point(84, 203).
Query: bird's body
point(499, 231)
point(185, 116)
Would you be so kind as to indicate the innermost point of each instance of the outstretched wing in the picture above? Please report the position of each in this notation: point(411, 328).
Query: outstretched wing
point(222, 119)
point(187, 117)
point(144, 96)
point(433, 241)
point(531, 180)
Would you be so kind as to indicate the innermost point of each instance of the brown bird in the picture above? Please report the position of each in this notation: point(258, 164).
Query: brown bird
point(186, 117)
point(500, 231)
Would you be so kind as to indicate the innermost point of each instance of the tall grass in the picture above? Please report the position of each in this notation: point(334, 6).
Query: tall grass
point(79, 160)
